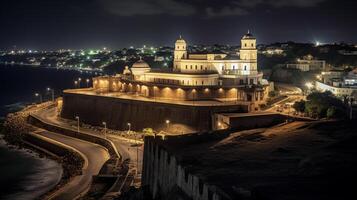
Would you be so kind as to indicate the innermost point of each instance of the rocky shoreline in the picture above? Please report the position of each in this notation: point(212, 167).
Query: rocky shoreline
point(16, 129)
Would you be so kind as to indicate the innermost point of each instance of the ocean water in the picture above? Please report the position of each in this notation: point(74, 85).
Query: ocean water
point(23, 174)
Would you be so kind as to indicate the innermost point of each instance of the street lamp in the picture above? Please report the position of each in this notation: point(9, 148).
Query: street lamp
point(129, 127)
point(52, 92)
point(39, 95)
point(79, 82)
point(105, 129)
point(75, 84)
point(77, 118)
point(167, 124)
point(87, 81)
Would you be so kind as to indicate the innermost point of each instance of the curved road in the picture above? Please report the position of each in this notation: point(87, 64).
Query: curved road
point(96, 156)
point(125, 148)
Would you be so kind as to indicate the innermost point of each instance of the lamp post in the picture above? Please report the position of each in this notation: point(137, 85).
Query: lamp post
point(77, 118)
point(75, 84)
point(105, 129)
point(52, 93)
point(129, 127)
point(39, 95)
point(79, 82)
point(87, 81)
point(167, 124)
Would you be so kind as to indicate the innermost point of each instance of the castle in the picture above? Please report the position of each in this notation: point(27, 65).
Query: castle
point(204, 76)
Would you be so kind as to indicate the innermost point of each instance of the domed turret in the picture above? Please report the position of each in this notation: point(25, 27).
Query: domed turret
point(248, 35)
point(140, 64)
point(180, 52)
point(126, 71)
point(139, 69)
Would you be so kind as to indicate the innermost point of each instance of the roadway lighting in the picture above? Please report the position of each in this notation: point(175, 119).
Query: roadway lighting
point(105, 129)
point(87, 83)
point(52, 92)
point(75, 84)
point(129, 127)
point(77, 118)
point(40, 96)
point(309, 85)
point(168, 124)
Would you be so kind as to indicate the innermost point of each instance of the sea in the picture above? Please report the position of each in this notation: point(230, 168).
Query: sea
point(24, 175)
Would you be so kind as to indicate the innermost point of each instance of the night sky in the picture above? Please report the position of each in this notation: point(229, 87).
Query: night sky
point(54, 24)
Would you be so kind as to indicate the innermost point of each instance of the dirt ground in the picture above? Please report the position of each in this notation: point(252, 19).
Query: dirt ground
point(299, 160)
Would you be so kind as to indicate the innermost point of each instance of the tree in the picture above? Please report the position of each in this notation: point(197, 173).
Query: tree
point(318, 104)
point(299, 106)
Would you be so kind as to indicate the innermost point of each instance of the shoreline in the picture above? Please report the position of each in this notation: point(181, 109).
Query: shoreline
point(14, 140)
point(43, 174)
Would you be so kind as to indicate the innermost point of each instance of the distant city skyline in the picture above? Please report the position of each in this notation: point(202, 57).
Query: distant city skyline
point(50, 25)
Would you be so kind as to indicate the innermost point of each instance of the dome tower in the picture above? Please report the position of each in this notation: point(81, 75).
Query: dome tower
point(180, 52)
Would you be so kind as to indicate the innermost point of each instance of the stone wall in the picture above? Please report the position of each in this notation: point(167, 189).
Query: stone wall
point(33, 120)
point(165, 177)
point(117, 112)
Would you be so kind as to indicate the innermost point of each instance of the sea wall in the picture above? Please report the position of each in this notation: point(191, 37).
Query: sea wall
point(117, 112)
point(33, 120)
point(166, 178)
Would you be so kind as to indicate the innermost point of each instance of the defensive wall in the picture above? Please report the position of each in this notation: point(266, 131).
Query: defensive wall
point(117, 112)
point(165, 177)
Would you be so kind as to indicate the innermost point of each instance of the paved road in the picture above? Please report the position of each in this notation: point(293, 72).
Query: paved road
point(96, 156)
point(125, 148)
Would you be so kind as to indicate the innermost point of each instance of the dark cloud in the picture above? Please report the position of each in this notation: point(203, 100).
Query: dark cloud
point(147, 7)
point(205, 8)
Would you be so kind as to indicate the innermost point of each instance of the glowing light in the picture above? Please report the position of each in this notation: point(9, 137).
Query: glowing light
point(309, 85)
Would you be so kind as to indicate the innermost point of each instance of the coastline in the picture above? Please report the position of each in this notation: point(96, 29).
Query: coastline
point(35, 174)
point(50, 171)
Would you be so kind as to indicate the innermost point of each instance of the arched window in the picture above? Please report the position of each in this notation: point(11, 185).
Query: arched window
point(252, 45)
point(245, 68)
point(196, 67)
point(245, 44)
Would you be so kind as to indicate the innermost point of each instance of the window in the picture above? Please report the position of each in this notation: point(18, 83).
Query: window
point(196, 67)
point(234, 67)
point(191, 66)
point(245, 68)
point(186, 66)
point(252, 45)
point(201, 67)
point(202, 82)
point(245, 44)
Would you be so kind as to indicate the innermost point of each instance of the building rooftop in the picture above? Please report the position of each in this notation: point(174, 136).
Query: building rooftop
point(300, 160)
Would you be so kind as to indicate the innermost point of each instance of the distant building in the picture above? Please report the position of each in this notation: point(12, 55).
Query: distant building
point(307, 64)
point(338, 82)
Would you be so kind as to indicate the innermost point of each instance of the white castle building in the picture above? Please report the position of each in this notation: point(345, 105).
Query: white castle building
point(208, 75)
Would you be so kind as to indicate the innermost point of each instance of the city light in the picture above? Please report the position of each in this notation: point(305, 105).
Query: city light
point(309, 85)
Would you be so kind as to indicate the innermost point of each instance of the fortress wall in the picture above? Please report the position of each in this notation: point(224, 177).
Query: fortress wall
point(165, 177)
point(118, 112)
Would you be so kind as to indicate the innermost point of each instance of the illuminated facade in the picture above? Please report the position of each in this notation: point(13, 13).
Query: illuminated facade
point(195, 76)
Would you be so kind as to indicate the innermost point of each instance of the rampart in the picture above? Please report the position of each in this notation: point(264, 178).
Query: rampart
point(117, 112)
